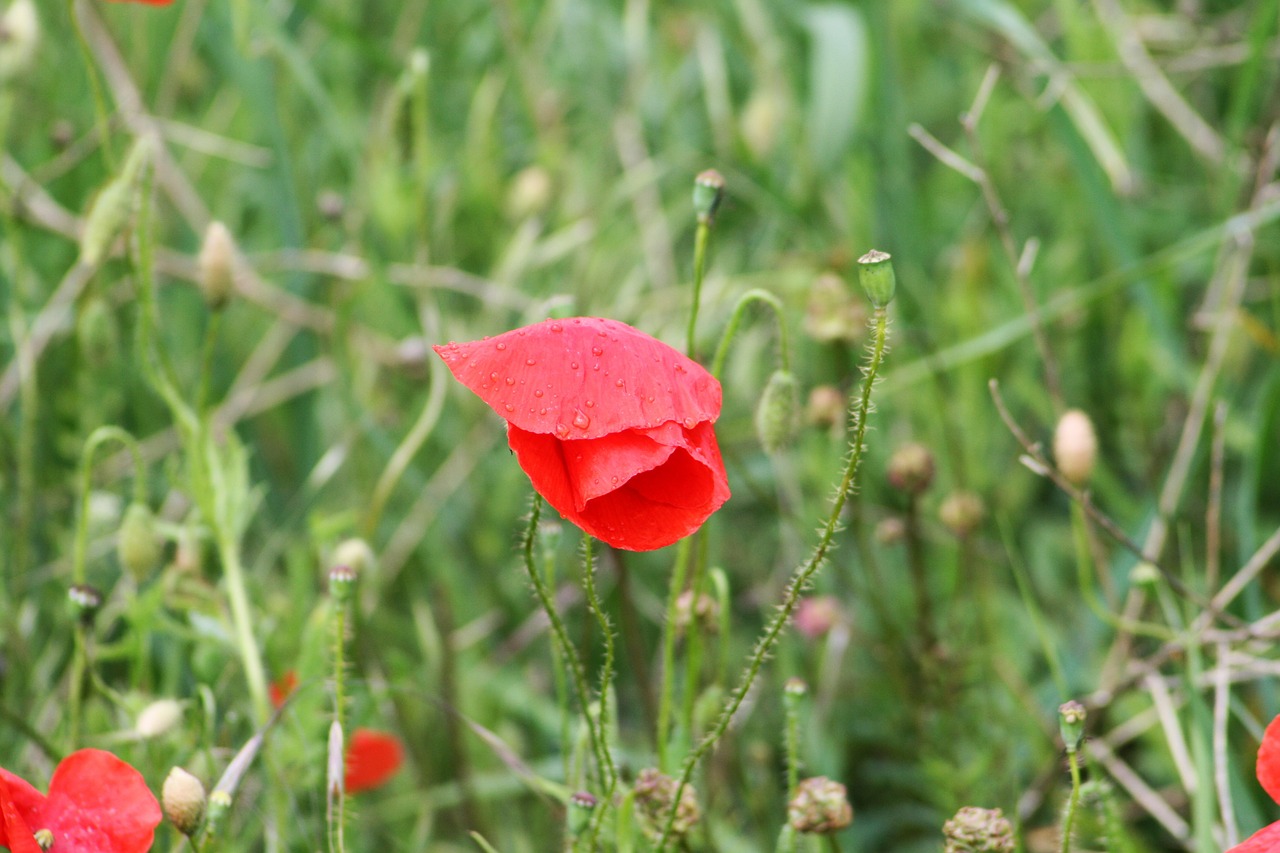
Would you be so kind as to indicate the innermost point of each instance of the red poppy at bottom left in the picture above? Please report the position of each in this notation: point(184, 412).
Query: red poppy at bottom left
point(96, 804)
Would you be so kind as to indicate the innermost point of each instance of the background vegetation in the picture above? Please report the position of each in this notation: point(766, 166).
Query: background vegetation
point(1080, 202)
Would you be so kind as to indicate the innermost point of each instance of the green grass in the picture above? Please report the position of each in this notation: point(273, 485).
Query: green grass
point(541, 162)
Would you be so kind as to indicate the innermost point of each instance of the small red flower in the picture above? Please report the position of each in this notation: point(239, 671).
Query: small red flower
point(613, 427)
point(96, 804)
point(1267, 839)
point(282, 688)
point(372, 759)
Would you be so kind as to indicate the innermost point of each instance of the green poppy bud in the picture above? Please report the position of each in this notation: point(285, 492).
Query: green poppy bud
point(137, 545)
point(875, 272)
point(708, 192)
point(778, 413)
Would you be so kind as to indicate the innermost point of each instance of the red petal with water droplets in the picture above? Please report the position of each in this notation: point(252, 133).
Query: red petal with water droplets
point(18, 802)
point(584, 377)
point(99, 803)
point(1265, 840)
point(637, 490)
point(1269, 760)
point(373, 757)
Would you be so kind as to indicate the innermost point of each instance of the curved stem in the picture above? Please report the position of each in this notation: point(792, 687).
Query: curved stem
point(735, 321)
point(800, 580)
point(98, 437)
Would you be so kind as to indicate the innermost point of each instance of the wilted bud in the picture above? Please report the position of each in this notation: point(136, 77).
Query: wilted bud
point(1071, 717)
point(581, 806)
point(875, 272)
point(816, 615)
point(183, 800)
point(1075, 446)
point(342, 583)
point(819, 806)
point(19, 38)
point(655, 794)
point(159, 717)
point(704, 612)
point(85, 601)
point(111, 210)
point(961, 513)
point(138, 546)
point(826, 406)
point(355, 553)
point(975, 830)
point(530, 192)
point(911, 468)
point(778, 413)
point(832, 313)
point(217, 264)
point(708, 192)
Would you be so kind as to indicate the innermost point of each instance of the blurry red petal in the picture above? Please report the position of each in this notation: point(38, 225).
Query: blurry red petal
point(282, 688)
point(1269, 760)
point(584, 377)
point(372, 758)
point(1265, 840)
point(18, 801)
point(99, 804)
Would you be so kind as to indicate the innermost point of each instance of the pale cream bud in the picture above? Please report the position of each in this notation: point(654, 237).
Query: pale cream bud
point(157, 718)
point(19, 37)
point(1075, 446)
point(217, 263)
point(183, 798)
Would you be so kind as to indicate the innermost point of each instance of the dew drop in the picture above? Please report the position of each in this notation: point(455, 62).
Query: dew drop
point(591, 404)
point(580, 420)
point(556, 327)
point(500, 346)
point(690, 423)
point(542, 411)
point(562, 430)
point(511, 380)
point(597, 350)
point(509, 407)
point(650, 398)
point(613, 481)
point(493, 377)
point(530, 361)
point(595, 366)
point(573, 365)
point(538, 392)
point(620, 383)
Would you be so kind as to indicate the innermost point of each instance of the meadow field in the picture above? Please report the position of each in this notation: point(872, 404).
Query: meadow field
point(913, 369)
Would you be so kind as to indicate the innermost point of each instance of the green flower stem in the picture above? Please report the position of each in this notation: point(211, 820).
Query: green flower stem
point(576, 670)
point(606, 680)
point(678, 573)
point(735, 321)
point(95, 85)
point(96, 439)
point(206, 364)
point(803, 575)
point(1067, 821)
point(338, 815)
point(699, 269)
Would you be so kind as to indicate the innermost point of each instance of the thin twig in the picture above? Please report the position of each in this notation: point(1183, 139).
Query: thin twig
point(1221, 704)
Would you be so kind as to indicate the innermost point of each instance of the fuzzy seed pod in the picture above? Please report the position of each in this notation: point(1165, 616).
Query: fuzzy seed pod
point(157, 718)
point(183, 800)
point(1075, 447)
point(655, 794)
point(819, 806)
point(19, 38)
point(342, 583)
point(217, 263)
point(708, 192)
point(778, 414)
point(875, 272)
point(137, 545)
point(975, 830)
point(911, 468)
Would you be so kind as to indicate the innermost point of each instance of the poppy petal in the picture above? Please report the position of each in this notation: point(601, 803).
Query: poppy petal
point(584, 377)
point(1269, 760)
point(99, 803)
point(18, 801)
point(1265, 840)
point(282, 688)
point(373, 757)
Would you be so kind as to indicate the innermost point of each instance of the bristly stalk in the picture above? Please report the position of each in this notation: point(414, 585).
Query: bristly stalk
point(342, 581)
point(804, 574)
point(1071, 717)
point(684, 550)
point(606, 679)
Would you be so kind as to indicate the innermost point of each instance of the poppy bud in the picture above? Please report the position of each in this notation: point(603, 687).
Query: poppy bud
point(875, 272)
point(19, 38)
point(1075, 446)
point(961, 513)
point(581, 806)
point(137, 545)
point(355, 553)
point(342, 583)
point(708, 192)
point(826, 406)
point(217, 263)
point(819, 806)
point(218, 806)
point(778, 413)
point(110, 211)
point(891, 531)
point(85, 601)
point(705, 612)
point(794, 693)
point(655, 794)
point(911, 468)
point(183, 800)
point(975, 830)
point(331, 205)
point(157, 718)
point(44, 837)
point(1071, 717)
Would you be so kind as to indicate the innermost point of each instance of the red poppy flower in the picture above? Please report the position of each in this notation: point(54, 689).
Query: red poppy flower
point(282, 688)
point(1267, 839)
point(612, 426)
point(96, 804)
point(372, 759)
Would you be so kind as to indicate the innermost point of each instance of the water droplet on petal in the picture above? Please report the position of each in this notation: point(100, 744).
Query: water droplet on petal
point(597, 350)
point(511, 380)
point(556, 327)
point(620, 383)
point(509, 407)
point(573, 365)
point(591, 404)
point(690, 423)
point(613, 481)
point(530, 361)
point(500, 346)
point(542, 411)
point(650, 398)
point(562, 430)
point(537, 392)
point(493, 377)
point(580, 419)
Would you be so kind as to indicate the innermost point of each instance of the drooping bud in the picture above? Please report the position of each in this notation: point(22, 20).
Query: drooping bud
point(157, 718)
point(655, 794)
point(891, 530)
point(976, 830)
point(1071, 717)
point(778, 414)
point(85, 601)
point(708, 192)
point(138, 546)
point(183, 800)
point(875, 272)
point(217, 263)
point(19, 38)
point(111, 210)
point(961, 513)
point(820, 805)
point(1075, 446)
point(342, 583)
point(911, 468)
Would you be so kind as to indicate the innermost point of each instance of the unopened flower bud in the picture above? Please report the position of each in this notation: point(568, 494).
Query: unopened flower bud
point(331, 205)
point(832, 313)
point(704, 612)
point(85, 601)
point(157, 718)
point(111, 210)
point(355, 553)
point(138, 546)
point(794, 693)
point(342, 583)
point(826, 406)
point(183, 800)
point(1071, 717)
point(778, 413)
point(911, 468)
point(975, 830)
point(820, 805)
point(1075, 446)
point(217, 808)
point(217, 263)
point(875, 272)
point(760, 120)
point(891, 531)
point(581, 806)
point(961, 513)
point(816, 615)
point(655, 794)
point(19, 38)
point(708, 192)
